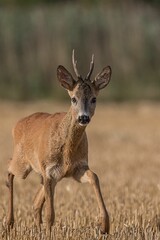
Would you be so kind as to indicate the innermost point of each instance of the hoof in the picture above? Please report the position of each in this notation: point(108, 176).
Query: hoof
point(104, 225)
point(10, 223)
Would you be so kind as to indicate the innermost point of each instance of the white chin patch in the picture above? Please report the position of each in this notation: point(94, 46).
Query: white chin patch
point(83, 125)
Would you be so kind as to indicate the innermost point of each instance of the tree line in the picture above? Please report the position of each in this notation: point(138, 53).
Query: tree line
point(91, 2)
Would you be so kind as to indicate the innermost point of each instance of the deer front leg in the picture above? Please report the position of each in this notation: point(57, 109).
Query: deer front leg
point(9, 184)
point(89, 176)
point(49, 187)
point(38, 205)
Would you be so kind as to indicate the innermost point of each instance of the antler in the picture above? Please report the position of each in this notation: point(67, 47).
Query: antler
point(74, 65)
point(91, 68)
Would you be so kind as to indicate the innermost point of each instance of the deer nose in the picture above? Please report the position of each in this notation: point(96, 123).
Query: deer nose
point(84, 119)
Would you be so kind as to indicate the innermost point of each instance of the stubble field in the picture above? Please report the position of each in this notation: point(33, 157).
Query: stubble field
point(124, 151)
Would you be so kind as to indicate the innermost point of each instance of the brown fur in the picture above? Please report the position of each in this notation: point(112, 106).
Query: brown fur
point(55, 146)
point(43, 139)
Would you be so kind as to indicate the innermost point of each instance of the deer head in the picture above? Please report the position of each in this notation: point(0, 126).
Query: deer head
point(83, 92)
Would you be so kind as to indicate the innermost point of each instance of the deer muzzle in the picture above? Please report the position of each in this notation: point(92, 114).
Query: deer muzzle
point(83, 119)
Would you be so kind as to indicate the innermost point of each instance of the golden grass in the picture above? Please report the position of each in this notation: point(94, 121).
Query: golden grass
point(124, 151)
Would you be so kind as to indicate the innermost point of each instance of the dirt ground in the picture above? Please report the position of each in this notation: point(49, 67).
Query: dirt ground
point(124, 151)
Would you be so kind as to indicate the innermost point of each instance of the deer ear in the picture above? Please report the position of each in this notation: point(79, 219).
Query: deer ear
point(103, 78)
point(65, 78)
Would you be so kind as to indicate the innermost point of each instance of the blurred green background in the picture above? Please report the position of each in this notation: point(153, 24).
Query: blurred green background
point(38, 35)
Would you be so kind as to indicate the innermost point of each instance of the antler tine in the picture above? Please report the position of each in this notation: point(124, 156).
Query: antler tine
point(91, 67)
point(75, 65)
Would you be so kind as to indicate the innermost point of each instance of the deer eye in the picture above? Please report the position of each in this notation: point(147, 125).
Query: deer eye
point(93, 100)
point(74, 100)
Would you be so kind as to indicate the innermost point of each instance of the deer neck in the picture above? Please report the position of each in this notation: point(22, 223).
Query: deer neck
point(72, 133)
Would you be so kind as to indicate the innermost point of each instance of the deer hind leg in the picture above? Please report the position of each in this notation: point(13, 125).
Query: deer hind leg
point(16, 168)
point(19, 167)
point(38, 205)
point(84, 175)
point(9, 184)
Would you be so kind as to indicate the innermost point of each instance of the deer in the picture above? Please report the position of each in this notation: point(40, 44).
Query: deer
point(55, 145)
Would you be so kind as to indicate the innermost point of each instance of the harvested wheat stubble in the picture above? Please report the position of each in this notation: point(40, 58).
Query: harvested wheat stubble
point(123, 150)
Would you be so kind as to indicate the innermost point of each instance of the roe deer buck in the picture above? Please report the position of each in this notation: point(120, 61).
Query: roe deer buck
point(55, 145)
